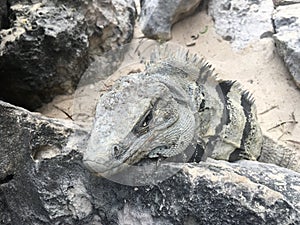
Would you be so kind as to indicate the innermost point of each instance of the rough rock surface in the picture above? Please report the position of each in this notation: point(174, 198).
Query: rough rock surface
point(47, 47)
point(42, 181)
point(110, 23)
point(287, 37)
point(242, 21)
point(285, 2)
point(158, 16)
point(3, 14)
point(43, 54)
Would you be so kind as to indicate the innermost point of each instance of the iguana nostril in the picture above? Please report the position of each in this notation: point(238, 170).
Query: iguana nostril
point(117, 151)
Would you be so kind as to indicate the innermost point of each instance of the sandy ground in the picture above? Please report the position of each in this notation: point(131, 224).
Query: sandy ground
point(258, 68)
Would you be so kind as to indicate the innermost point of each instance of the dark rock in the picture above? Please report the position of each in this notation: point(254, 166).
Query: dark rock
point(287, 37)
point(241, 21)
point(3, 14)
point(42, 55)
point(42, 181)
point(157, 17)
point(48, 46)
point(285, 2)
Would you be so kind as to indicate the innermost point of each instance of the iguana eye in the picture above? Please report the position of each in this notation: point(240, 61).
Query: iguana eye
point(142, 126)
point(147, 119)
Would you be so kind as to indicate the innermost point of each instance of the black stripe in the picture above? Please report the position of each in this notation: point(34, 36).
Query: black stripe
point(236, 155)
point(246, 103)
point(223, 89)
point(197, 155)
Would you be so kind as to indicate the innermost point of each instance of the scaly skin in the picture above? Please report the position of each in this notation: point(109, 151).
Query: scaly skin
point(177, 102)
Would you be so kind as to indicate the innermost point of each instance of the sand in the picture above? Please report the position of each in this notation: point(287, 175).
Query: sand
point(258, 68)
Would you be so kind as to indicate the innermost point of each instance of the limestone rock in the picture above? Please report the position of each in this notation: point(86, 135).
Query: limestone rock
point(158, 16)
point(27, 140)
point(49, 45)
point(110, 23)
point(30, 135)
point(42, 181)
point(287, 37)
point(285, 2)
point(241, 21)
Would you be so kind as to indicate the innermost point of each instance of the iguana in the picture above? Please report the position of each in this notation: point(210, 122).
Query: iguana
point(175, 103)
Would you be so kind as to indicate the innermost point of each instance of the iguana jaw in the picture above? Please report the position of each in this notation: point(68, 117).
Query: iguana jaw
point(113, 157)
point(102, 170)
point(106, 168)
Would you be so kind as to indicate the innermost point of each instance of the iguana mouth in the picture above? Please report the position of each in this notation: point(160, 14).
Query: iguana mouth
point(102, 170)
point(92, 164)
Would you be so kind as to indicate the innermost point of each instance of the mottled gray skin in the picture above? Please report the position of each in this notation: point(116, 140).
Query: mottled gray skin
point(177, 102)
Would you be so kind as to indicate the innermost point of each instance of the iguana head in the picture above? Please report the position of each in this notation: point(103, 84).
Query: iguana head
point(142, 116)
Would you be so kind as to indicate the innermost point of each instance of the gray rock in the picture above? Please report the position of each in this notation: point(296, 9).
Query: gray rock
point(241, 21)
point(110, 23)
point(48, 46)
point(27, 140)
point(285, 2)
point(42, 181)
point(158, 16)
point(287, 37)
point(30, 135)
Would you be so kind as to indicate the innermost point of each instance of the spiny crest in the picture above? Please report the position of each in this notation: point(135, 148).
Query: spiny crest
point(238, 89)
point(197, 68)
point(247, 95)
point(180, 58)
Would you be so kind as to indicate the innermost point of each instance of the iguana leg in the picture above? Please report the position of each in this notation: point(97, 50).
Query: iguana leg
point(280, 155)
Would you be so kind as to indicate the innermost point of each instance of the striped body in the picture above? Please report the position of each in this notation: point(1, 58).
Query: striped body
point(227, 126)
